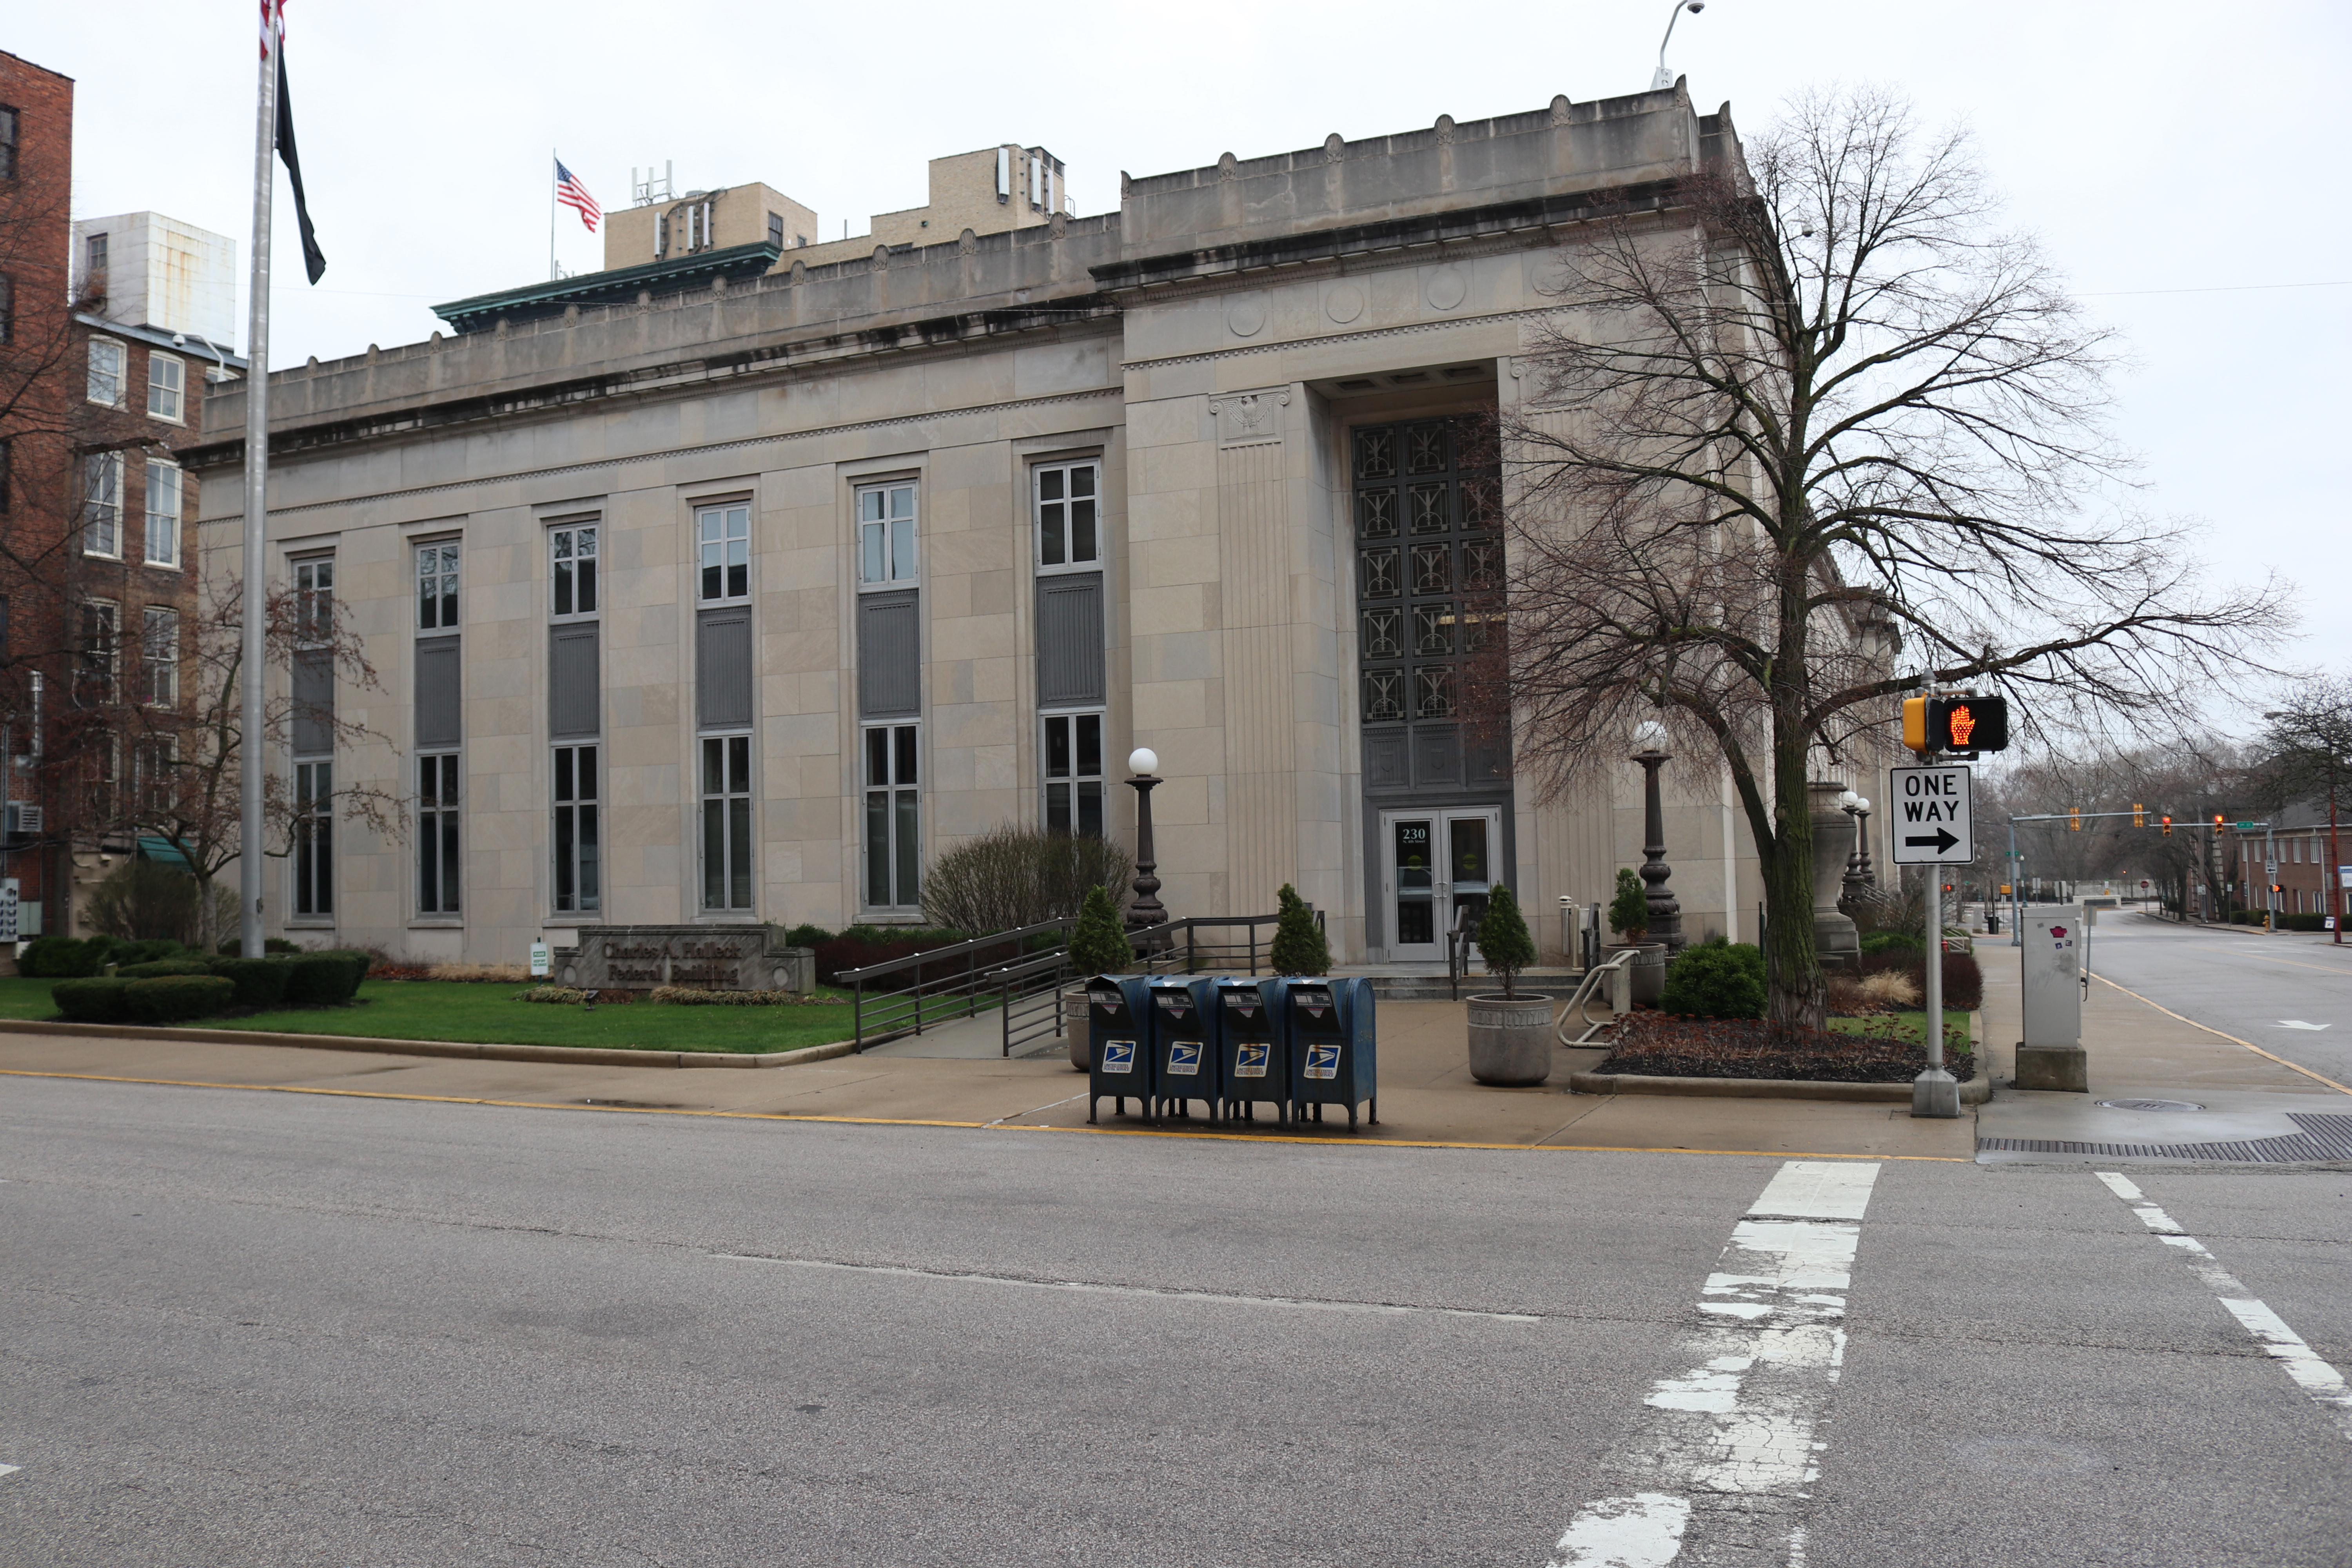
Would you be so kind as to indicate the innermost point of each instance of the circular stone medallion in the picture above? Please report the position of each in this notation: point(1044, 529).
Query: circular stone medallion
point(1246, 314)
point(1344, 303)
point(1445, 289)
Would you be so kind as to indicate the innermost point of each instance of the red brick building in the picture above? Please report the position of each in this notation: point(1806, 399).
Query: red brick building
point(97, 579)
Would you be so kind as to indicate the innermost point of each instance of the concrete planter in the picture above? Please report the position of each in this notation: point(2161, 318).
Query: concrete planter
point(1074, 1025)
point(1649, 971)
point(1510, 1039)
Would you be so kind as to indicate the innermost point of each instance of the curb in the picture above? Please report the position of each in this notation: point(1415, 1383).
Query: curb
point(1975, 1092)
point(577, 1055)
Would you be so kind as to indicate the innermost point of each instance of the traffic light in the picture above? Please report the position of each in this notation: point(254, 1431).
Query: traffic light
point(2074, 819)
point(2216, 822)
point(2139, 814)
point(2167, 827)
point(1955, 723)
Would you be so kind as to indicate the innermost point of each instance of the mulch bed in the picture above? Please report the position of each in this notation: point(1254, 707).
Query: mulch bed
point(1654, 1046)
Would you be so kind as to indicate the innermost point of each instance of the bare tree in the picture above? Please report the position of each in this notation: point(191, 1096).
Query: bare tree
point(1833, 420)
point(184, 751)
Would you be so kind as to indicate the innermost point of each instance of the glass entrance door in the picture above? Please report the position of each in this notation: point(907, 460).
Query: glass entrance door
point(1437, 866)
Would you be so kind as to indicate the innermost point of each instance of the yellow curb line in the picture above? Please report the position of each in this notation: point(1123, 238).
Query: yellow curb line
point(2231, 1038)
point(983, 1126)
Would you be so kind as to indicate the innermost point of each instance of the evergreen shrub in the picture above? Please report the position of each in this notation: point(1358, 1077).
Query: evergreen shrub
point(260, 982)
point(1879, 942)
point(1502, 938)
point(1717, 979)
point(807, 936)
point(174, 998)
point(1299, 947)
point(1629, 908)
point(162, 966)
point(92, 1001)
point(1097, 944)
point(320, 979)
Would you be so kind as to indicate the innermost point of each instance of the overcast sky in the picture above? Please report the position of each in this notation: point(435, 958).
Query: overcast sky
point(2183, 161)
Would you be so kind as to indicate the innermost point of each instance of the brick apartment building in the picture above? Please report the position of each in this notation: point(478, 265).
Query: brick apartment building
point(108, 332)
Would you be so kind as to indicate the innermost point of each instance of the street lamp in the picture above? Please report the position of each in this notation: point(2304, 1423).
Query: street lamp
point(1665, 79)
point(1857, 865)
point(1666, 914)
point(1146, 910)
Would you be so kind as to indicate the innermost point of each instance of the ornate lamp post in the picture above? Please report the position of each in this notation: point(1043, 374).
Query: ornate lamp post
point(1146, 910)
point(1666, 914)
point(1857, 865)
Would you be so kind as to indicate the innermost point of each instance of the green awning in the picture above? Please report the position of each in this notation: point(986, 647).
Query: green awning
point(154, 848)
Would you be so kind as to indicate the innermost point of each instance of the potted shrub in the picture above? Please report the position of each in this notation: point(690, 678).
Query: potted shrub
point(1097, 946)
point(1510, 1033)
point(1629, 916)
point(1300, 946)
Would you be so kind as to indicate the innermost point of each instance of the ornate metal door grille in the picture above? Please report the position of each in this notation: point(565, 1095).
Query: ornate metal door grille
point(1429, 554)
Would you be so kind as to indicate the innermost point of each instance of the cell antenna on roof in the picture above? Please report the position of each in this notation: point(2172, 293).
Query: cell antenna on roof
point(645, 193)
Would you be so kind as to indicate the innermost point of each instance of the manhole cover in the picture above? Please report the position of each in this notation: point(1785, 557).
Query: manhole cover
point(2150, 1105)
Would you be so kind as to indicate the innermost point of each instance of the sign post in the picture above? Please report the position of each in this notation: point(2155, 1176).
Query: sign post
point(1933, 825)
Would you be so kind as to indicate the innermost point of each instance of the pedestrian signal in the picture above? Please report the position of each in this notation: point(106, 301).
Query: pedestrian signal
point(1955, 723)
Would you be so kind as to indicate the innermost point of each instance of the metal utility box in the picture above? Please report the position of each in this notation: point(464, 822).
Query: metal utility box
point(2051, 942)
point(1118, 1044)
point(1183, 1046)
point(1253, 1047)
point(1333, 1057)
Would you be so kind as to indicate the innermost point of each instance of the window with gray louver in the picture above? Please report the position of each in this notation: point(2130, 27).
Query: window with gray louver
point(314, 701)
point(890, 655)
point(437, 689)
point(1070, 640)
point(722, 695)
point(573, 698)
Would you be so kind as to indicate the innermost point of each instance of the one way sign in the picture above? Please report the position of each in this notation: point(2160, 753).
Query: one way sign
point(1931, 817)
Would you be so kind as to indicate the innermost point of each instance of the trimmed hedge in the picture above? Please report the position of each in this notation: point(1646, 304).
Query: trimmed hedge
point(174, 998)
point(323, 979)
point(1717, 979)
point(235, 946)
point(259, 982)
point(67, 958)
point(161, 967)
point(92, 1001)
point(1880, 941)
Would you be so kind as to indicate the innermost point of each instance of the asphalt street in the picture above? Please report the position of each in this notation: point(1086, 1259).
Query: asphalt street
point(2289, 992)
point(261, 1329)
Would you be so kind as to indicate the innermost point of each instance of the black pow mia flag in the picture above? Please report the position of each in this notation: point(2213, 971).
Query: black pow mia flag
point(314, 260)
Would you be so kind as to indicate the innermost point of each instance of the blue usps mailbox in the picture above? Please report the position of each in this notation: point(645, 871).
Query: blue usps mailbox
point(1332, 1053)
point(1253, 1047)
point(1183, 1046)
point(1118, 1044)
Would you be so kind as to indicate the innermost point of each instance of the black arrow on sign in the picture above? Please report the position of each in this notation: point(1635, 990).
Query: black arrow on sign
point(1941, 843)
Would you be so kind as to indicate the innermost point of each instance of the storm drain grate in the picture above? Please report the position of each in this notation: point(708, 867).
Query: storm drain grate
point(2322, 1137)
point(2151, 1105)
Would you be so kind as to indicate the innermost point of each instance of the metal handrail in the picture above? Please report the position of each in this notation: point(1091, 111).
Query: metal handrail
point(907, 1009)
point(1617, 974)
point(1457, 951)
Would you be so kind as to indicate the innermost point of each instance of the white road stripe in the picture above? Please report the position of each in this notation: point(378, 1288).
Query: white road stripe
point(1090, 1286)
point(2316, 1377)
point(10, 1469)
point(1722, 1467)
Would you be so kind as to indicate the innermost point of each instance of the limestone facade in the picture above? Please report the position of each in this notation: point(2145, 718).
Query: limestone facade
point(1213, 355)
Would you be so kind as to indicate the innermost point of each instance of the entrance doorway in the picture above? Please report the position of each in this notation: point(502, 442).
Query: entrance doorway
point(1436, 868)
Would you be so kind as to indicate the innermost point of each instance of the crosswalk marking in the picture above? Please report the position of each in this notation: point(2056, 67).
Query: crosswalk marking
point(1723, 1463)
point(2316, 1377)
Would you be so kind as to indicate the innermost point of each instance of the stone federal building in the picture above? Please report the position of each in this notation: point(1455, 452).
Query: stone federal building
point(737, 581)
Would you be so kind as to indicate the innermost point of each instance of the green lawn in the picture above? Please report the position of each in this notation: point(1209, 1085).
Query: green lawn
point(1910, 1026)
point(481, 1013)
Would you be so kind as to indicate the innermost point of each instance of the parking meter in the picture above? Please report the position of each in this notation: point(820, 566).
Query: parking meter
point(1253, 1047)
point(1118, 1044)
point(1183, 1046)
point(1332, 1052)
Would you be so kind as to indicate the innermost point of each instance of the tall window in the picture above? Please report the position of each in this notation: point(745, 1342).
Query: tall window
point(436, 834)
point(101, 505)
point(314, 838)
point(886, 533)
point(163, 512)
point(1074, 773)
point(166, 381)
point(723, 541)
point(159, 649)
point(776, 230)
point(94, 262)
point(1068, 530)
point(8, 144)
point(436, 586)
point(107, 358)
point(8, 308)
point(579, 884)
point(894, 853)
point(105, 770)
point(574, 553)
point(314, 602)
point(7, 448)
point(155, 766)
point(727, 822)
point(100, 621)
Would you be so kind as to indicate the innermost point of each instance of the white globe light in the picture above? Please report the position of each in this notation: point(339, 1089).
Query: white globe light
point(1862, 803)
point(1649, 734)
point(1851, 801)
point(1143, 760)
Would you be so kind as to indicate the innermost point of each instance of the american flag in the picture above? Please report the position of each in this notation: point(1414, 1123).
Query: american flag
point(574, 194)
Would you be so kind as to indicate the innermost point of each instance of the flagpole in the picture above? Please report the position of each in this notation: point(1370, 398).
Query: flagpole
point(251, 726)
point(553, 163)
